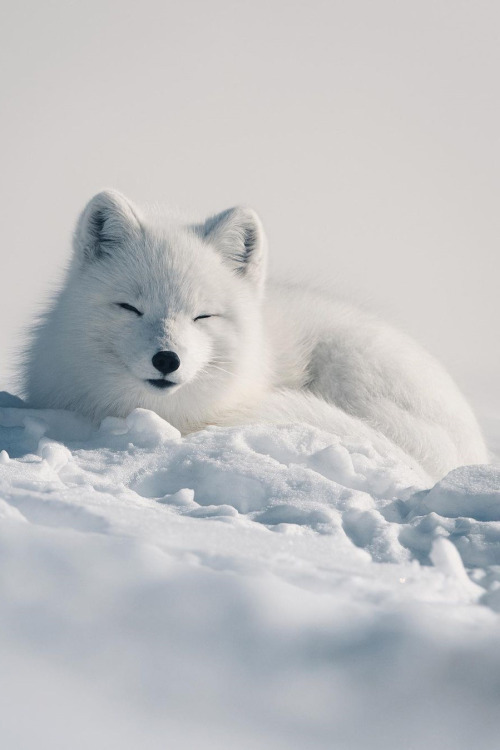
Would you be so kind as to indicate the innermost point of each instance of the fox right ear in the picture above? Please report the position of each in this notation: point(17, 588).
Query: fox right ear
point(108, 221)
point(237, 234)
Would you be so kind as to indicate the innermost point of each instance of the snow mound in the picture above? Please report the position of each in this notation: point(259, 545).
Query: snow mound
point(252, 586)
point(472, 491)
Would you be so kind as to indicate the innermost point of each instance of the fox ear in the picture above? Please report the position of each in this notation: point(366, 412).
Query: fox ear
point(107, 221)
point(237, 234)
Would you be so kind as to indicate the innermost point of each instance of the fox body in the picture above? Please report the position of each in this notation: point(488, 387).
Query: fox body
point(178, 318)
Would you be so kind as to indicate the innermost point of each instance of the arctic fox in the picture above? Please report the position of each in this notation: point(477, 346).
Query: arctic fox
point(177, 318)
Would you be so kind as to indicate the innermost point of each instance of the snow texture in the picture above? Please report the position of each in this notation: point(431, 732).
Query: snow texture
point(245, 587)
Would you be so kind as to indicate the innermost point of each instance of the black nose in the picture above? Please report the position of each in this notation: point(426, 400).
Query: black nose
point(166, 362)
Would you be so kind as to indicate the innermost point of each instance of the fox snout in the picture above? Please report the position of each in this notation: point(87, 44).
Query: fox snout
point(166, 362)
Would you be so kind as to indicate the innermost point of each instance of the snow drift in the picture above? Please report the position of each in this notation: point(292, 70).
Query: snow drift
point(244, 587)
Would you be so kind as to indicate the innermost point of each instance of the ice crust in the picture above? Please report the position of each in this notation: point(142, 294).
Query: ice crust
point(247, 587)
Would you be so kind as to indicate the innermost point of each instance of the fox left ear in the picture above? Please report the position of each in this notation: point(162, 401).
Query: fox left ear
point(109, 221)
point(237, 234)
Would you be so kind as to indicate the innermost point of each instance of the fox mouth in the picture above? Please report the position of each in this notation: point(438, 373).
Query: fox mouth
point(161, 383)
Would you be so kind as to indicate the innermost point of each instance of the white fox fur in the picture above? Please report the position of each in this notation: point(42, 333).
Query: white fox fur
point(259, 351)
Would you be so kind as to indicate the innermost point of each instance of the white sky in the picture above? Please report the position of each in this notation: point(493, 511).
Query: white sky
point(366, 134)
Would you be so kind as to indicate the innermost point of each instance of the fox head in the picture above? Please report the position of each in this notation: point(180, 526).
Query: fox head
point(166, 312)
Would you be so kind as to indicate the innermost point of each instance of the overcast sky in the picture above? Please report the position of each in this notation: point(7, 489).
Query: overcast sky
point(366, 134)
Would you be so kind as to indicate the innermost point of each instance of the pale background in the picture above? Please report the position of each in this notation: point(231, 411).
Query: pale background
point(366, 133)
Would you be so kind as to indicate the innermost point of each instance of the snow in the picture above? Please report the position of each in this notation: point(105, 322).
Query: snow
point(247, 587)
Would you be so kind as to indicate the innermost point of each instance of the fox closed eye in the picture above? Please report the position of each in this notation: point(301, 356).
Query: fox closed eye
point(201, 317)
point(126, 306)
